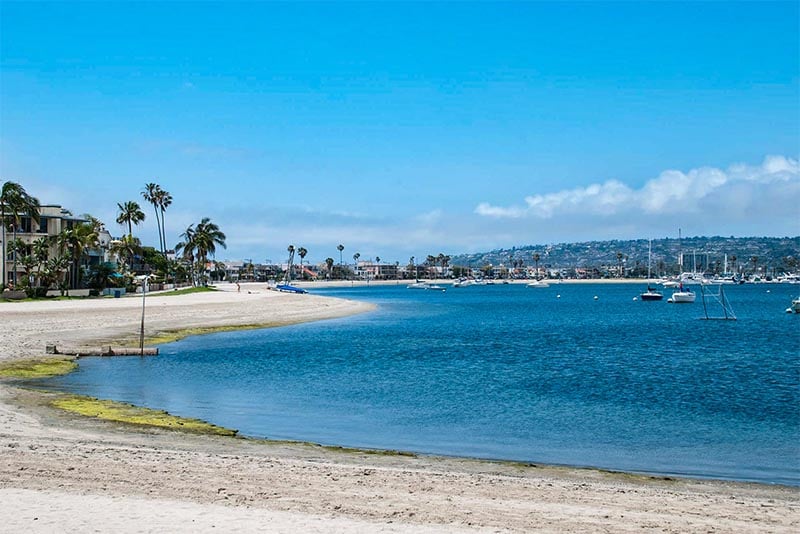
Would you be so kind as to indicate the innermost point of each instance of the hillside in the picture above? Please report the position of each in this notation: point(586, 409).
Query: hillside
point(744, 254)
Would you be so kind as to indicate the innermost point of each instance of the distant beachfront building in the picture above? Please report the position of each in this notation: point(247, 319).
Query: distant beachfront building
point(369, 270)
point(53, 219)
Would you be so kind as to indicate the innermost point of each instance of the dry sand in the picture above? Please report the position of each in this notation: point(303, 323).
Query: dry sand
point(60, 472)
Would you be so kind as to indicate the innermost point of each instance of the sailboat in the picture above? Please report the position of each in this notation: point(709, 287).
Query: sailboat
point(682, 295)
point(287, 280)
point(650, 294)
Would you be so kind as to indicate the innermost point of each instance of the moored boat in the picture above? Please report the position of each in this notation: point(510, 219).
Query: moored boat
point(538, 283)
point(682, 296)
point(651, 294)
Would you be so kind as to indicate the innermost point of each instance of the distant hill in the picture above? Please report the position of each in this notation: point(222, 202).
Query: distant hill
point(744, 254)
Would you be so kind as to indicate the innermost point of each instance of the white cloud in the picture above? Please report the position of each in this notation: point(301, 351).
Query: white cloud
point(753, 189)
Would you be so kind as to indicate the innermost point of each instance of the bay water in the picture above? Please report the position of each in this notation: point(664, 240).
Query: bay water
point(573, 374)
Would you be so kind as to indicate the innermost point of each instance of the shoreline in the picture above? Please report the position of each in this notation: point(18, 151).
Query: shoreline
point(45, 451)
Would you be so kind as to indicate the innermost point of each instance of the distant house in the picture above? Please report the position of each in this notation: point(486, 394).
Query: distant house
point(369, 270)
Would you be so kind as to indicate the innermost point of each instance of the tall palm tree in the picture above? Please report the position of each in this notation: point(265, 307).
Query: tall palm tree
point(340, 248)
point(536, 259)
point(130, 213)
point(164, 201)
point(15, 203)
point(152, 194)
point(302, 253)
point(378, 271)
point(290, 250)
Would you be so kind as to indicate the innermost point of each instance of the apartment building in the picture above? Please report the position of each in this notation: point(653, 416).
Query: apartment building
point(52, 220)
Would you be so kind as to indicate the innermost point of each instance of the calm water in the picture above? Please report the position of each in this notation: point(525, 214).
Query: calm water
point(503, 372)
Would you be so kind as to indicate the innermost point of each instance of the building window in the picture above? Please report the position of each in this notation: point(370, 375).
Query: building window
point(24, 225)
point(42, 225)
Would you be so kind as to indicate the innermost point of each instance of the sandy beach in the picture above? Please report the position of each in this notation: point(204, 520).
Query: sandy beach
point(61, 472)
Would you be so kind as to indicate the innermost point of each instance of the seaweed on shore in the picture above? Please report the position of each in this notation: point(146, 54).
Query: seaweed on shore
point(121, 412)
point(37, 368)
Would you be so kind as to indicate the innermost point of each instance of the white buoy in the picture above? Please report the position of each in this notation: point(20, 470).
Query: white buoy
point(596, 297)
point(788, 310)
point(558, 296)
point(635, 299)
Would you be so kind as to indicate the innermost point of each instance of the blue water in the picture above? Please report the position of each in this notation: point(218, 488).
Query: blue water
point(502, 372)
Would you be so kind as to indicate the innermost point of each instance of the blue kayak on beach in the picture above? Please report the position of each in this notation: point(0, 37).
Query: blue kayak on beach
point(290, 289)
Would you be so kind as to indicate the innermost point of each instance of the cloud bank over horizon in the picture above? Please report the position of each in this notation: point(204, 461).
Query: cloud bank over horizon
point(742, 200)
point(739, 191)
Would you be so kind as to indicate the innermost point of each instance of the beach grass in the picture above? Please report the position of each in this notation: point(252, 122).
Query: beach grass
point(37, 368)
point(121, 412)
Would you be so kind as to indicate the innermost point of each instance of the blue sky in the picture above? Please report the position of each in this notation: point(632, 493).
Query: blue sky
point(403, 129)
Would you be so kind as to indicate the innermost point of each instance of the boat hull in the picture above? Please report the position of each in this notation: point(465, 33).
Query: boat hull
point(683, 297)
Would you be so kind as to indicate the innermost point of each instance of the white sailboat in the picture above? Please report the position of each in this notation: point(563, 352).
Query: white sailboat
point(651, 294)
point(682, 296)
point(538, 283)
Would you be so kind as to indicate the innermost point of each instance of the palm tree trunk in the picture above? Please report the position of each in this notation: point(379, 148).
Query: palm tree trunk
point(160, 234)
point(14, 259)
point(163, 235)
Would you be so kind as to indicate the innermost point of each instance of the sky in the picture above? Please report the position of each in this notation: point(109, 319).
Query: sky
point(400, 129)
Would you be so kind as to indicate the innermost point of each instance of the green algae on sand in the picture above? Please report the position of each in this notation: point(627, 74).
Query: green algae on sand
point(128, 413)
point(37, 368)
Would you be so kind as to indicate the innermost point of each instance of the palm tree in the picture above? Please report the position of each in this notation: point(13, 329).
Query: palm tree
point(164, 201)
point(156, 196)
point(340, 248)
point(77, 240)
point(356, 256)
point(733, 263)
point(40, 249)
point(130, 213)
point(329, 264)
point(302, 253)
point(200, 241)
point(536, 259)
point(619, 264)
point(54, 271)
point(290, 250)
point(754, 259)
point(16, 203)
point(378, 261)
